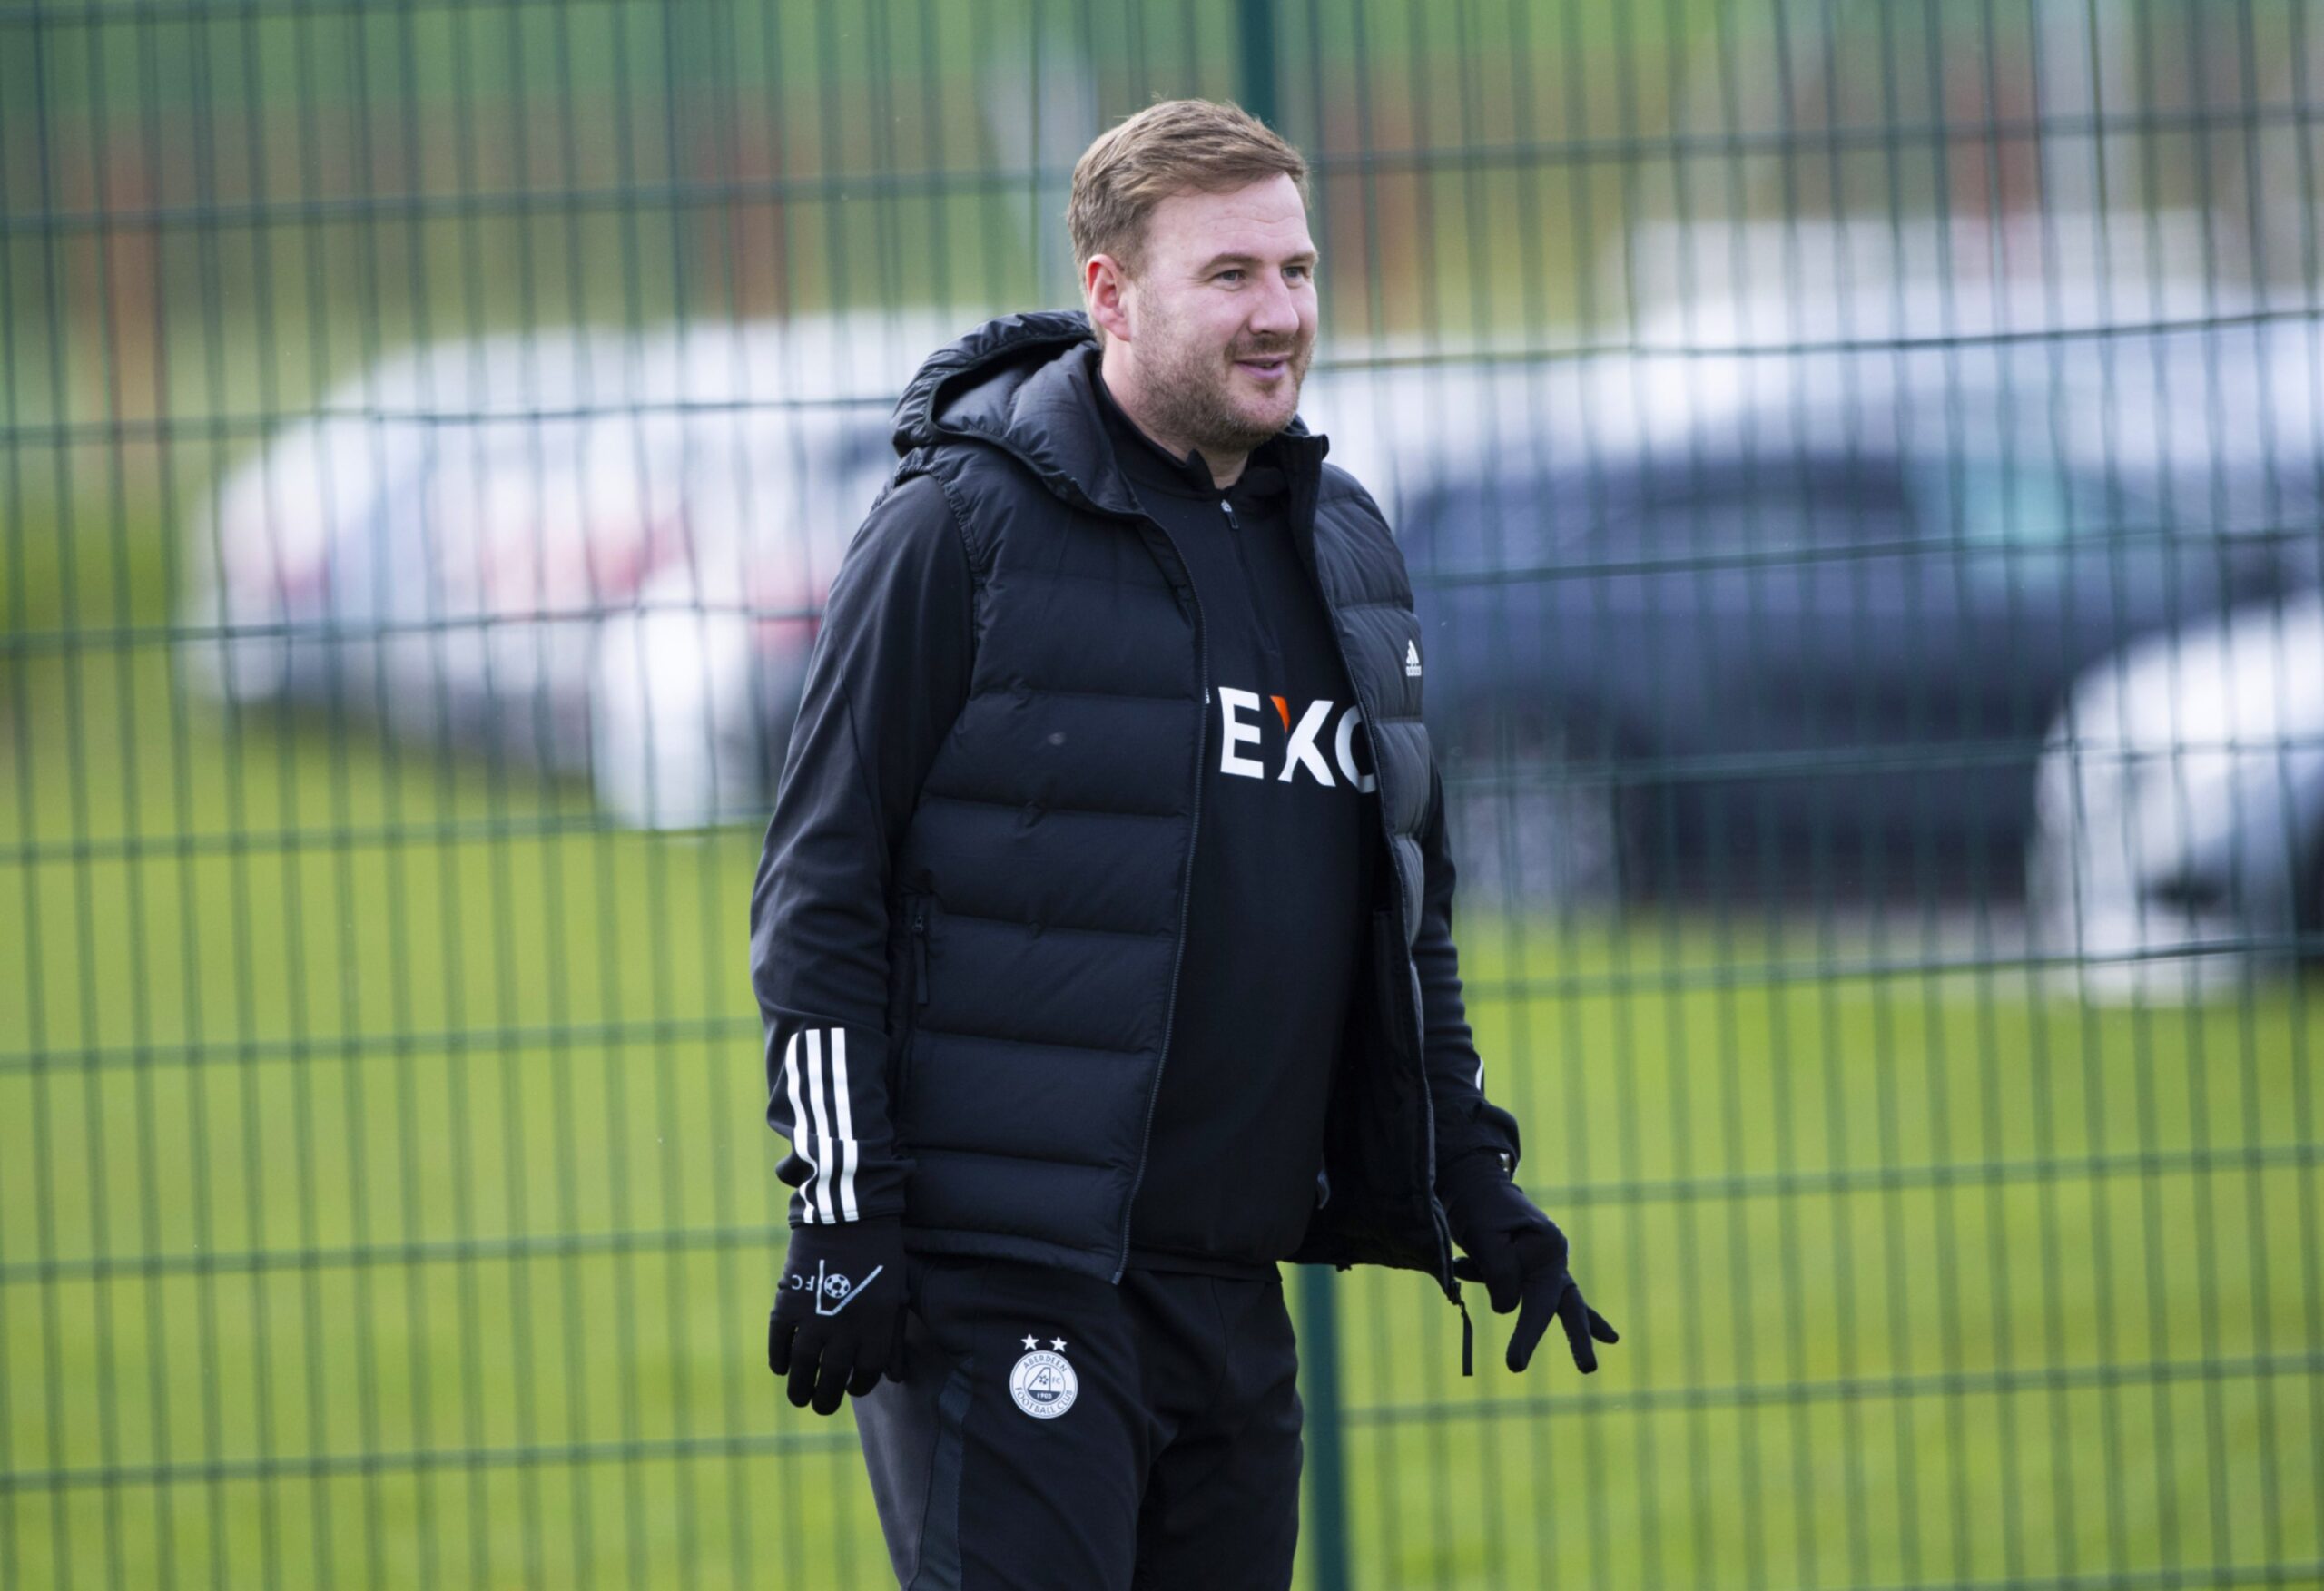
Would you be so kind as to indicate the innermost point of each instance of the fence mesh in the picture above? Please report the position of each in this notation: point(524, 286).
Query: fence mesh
point(1862, 465)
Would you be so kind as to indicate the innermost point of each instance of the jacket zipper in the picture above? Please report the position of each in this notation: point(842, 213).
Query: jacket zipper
point(1186, 898)
point(1259, 615)
point(919, 952)
point(1396, 890)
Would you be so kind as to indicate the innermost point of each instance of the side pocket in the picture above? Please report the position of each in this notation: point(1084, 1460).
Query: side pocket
point(916, 910)
point(921, 909)
point(940, 1557)
point(905, 997)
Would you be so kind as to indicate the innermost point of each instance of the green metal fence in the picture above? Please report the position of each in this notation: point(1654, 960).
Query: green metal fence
point(1826, 438)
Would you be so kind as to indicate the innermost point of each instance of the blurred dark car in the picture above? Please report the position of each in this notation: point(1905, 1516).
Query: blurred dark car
point(1814, 641)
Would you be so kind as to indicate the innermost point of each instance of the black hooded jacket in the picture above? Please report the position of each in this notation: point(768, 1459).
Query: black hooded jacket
point(969, 916)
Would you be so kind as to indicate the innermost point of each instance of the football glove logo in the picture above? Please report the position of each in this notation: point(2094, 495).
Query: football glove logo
point(832, 1292)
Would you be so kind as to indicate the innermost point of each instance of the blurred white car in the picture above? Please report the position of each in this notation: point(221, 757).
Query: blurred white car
point(470, 542)
point(696, 683)
point(351, 561)
point(2179, 809)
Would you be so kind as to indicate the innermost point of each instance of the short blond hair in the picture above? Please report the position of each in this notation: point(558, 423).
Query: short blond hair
point(1175, 146)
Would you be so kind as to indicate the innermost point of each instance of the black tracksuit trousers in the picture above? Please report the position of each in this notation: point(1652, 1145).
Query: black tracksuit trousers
point(1055, 1431)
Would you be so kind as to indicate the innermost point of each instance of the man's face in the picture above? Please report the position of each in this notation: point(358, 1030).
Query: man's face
point(1222, 314)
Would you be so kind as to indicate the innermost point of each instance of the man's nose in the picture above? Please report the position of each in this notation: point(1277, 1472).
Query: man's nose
point(1276, 314)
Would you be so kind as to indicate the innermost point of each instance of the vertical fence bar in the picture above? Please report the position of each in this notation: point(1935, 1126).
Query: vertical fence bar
point(1323, 1538)
point(1257, 78)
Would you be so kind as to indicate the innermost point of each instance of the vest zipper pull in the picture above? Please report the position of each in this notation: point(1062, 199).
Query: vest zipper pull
point(1468, 1340)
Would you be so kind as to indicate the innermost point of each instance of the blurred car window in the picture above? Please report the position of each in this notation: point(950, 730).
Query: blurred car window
point(1791, 515)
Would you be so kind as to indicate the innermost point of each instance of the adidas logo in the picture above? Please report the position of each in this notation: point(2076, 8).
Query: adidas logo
point(1411, 660)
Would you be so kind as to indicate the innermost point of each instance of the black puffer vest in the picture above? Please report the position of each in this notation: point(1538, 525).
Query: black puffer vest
point(1043, 877)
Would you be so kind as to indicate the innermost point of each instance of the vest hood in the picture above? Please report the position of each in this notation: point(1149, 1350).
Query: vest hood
point(1022, 384)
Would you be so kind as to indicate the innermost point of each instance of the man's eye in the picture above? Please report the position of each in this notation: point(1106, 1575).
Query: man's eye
point(1229, 275)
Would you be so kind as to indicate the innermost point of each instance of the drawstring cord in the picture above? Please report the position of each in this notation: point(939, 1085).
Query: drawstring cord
point(1468, 1338)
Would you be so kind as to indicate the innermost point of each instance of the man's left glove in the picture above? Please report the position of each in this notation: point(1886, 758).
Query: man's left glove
point(838, 1324)
point(1520, 1255)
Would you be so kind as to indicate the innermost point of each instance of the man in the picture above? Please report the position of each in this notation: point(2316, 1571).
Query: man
point(1103, 935)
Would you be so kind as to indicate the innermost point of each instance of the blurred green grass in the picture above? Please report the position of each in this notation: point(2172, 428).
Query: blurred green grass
point(383, 1200)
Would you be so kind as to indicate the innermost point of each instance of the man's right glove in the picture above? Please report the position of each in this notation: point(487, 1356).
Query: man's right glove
point(838, 1324)
point(1520, 1255)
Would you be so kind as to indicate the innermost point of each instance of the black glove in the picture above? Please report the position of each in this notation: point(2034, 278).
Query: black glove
point(1520, 1255)
point(838, 1324)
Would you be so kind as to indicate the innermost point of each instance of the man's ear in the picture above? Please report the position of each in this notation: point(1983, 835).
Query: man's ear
point(1105, 286)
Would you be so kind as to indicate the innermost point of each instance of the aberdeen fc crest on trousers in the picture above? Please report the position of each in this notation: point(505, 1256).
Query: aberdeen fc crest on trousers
point(1043, 1383)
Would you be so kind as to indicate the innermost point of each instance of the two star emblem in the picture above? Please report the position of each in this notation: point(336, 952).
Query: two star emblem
point(1057, 1344)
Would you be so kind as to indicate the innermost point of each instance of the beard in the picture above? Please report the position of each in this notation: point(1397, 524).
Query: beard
point(1190, 392)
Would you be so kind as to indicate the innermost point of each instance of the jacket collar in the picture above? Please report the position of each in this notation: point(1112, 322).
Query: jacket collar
point(1026, 384)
